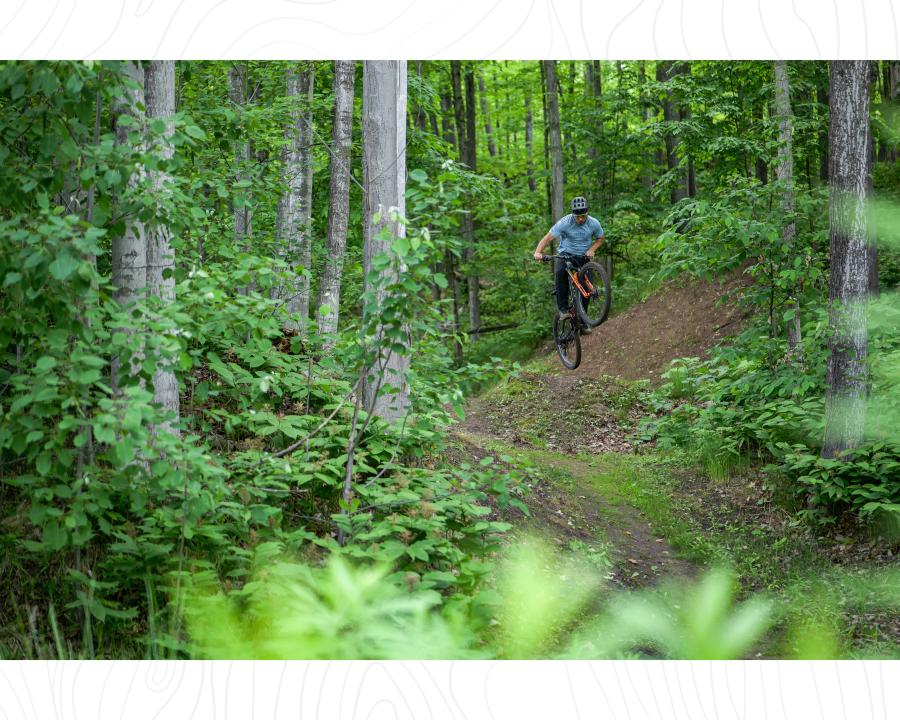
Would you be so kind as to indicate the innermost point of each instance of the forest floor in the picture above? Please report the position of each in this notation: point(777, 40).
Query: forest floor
point(642, 514)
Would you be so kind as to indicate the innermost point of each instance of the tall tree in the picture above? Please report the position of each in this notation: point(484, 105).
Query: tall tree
point(668, 71)
point(338, 195)
point(784, 171)
point(845, 404)
point(294, 219)
point(450, 272)
point(557, 180)
point(129, 250)
point(159, 81)
point(237, 94)
point(472, 279)
point(485, 116)
point(646, 177)
point(447, 127)
point(384, 179)
point(529, 144)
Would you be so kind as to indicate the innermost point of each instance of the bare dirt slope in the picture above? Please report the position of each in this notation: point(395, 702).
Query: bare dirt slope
point(681, 320)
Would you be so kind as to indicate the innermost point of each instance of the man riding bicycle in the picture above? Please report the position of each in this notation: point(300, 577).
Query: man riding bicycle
point(580, 236)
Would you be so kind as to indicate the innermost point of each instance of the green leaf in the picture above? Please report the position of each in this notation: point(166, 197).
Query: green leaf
point(195, 132)
point(45, 363)
point(418, 175)
point(43, 463)
point(63, 266)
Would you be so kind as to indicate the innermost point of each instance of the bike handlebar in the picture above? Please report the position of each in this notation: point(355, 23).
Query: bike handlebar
point(548, 258)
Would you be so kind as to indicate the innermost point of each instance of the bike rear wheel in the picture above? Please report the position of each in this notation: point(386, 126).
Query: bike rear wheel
point(594, 280)
point(568, 341)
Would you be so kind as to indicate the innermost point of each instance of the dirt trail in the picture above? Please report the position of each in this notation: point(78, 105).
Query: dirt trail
point(567, 510)
point(553, 415)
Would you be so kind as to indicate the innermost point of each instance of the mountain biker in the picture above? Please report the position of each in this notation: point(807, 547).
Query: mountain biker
point(580, 236)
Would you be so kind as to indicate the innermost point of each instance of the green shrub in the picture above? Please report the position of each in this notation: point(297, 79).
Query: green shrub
point(862, 480)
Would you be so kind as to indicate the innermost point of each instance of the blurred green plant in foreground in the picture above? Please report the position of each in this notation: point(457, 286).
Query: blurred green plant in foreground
point(544, 606)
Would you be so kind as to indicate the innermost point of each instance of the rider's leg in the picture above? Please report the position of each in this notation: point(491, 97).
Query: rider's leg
point(562, 285)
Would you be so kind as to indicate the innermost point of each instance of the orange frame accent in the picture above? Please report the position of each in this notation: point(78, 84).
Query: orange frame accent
point(574, 276)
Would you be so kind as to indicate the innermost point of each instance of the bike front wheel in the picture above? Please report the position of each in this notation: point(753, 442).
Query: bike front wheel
point(567, 337)
point(593, 309)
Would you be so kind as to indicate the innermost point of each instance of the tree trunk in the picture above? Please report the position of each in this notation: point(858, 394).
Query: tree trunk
point(129, 250)
point(420, 111)
point(384, 179)
point(243, 216)
point(449, 259)
point(893, 96)
point(661, 151)
point(472, 280)
point(159, 81)
point(556, 158)
point(646, 177)
point(784, 171)
point(453, 286)
point(338, 196)
point(544, 114)
point(873, 235)
point(447, 128)
point(529, 144)
point(845, 403)
point(488, 130)
point(295, 204)
point(459, 109)
point(670, 115)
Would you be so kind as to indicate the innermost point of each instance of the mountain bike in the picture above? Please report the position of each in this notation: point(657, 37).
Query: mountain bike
point(590, 284)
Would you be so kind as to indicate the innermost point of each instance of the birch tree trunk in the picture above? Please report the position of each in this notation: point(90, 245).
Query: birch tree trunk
point(159, 79)
point(384, 178)
point(557, 179)
point(338, 196)
point(243, 216)
point(129, 251)
point(845, 401)
point(784, 171)
point(295, 205)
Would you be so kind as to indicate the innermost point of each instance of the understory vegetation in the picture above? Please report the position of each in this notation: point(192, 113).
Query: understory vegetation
point(254, 406)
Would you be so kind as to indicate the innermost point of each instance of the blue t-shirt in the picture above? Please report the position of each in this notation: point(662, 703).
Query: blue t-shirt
point(575, 239)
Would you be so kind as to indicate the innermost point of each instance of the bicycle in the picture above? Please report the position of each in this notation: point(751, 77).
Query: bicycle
point(588, 282)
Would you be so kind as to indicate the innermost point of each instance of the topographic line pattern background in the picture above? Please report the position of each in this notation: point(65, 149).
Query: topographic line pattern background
point(449, 690)
point(425, 29)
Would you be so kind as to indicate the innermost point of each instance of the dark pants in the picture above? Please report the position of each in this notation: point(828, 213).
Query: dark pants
point(562, 283)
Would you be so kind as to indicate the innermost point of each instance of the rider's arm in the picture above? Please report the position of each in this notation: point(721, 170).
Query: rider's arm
point(538, 251)
point(597, 243)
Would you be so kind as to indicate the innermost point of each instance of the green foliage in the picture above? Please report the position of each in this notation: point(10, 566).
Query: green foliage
point(862, 480)
point(738, 402)
point(289, 610)
point(337, 612)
